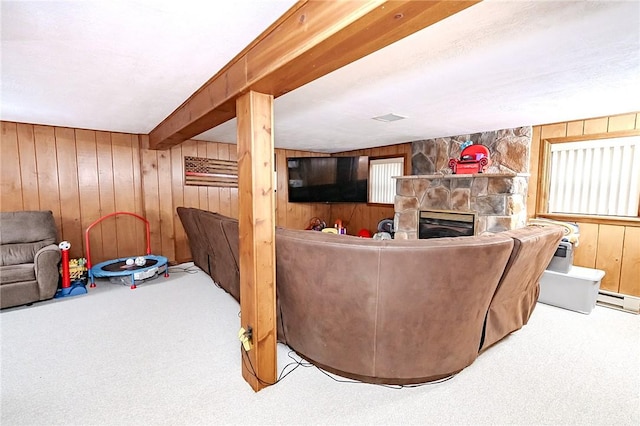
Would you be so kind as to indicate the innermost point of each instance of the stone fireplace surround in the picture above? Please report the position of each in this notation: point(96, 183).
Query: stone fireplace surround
point(497, 197)
point(498, 200)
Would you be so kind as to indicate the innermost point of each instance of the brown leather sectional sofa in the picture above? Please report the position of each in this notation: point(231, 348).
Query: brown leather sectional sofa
point(213, 239)
point(389, 311)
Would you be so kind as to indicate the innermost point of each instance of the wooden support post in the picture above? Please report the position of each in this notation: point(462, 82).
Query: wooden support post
point(257, 236)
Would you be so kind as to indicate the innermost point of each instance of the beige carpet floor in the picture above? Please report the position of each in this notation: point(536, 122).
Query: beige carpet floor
point(167, 353)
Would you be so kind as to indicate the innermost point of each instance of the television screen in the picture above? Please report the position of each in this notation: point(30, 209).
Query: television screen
point(328, 179)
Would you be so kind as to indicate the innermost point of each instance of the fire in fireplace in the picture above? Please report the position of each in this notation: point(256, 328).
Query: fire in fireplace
point(438, 224)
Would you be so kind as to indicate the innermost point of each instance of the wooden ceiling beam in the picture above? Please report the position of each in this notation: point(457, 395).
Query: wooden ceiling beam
point(310, 40)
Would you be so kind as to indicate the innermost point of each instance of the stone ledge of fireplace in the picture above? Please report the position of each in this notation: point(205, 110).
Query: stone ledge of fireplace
point(462, 176)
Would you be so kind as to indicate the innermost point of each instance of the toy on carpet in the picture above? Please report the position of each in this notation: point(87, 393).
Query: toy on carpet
point(69, 288)
point(385, 230)
point(125, 269)
point(316, 224)
point(78, 270)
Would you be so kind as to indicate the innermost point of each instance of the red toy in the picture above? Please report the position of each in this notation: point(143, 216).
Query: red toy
point(473, 159)
point(66, 275)
point(68, 289)
point(364, 233)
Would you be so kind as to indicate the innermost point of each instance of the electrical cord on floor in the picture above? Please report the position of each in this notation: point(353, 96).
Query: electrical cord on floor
point(301, 363)
point(281, 376)
point(180, 269)
point(416, 385)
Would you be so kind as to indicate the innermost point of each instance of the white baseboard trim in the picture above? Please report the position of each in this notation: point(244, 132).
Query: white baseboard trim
point(619, 301)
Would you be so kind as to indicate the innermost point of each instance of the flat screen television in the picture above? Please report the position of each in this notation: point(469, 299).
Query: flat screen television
point(328, 179)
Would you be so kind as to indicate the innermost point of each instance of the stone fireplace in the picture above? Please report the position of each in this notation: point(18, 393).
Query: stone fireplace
point(497, 198)
point(437, 224)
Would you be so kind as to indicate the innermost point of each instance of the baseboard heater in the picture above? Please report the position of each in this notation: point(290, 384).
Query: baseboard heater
point(622, 302)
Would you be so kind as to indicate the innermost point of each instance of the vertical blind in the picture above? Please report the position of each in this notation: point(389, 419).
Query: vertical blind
point(598, 177)
point(382, 188)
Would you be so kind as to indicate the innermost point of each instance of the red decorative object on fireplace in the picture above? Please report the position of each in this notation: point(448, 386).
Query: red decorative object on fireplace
point(473, 159)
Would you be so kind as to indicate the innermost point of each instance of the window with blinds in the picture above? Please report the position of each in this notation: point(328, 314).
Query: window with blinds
point(382, 188)
point(595, 177)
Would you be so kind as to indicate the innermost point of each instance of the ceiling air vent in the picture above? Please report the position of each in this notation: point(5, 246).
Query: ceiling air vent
point(389, 117)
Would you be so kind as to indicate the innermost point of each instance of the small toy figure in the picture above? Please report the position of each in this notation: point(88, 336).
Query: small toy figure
point(316, 224)
point(473, 159)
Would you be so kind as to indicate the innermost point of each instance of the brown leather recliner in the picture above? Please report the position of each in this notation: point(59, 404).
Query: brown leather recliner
point(29, 257)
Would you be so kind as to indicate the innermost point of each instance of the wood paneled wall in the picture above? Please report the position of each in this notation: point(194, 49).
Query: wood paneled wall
point(295, 215)
point(79, 175)
point(82, 175)
point(164, 190)
point(357, 216)
point(613, 248)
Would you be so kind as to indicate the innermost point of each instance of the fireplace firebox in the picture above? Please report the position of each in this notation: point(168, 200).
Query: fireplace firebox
point(439, 224)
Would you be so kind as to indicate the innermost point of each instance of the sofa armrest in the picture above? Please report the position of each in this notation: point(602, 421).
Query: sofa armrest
point(46, 263)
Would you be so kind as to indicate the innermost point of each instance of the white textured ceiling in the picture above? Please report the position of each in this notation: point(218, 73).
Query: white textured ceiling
point(119, 65)
point(125, 66)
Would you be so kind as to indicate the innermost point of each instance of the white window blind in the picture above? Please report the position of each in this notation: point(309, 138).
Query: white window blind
point(382, 188)
point(597, 177)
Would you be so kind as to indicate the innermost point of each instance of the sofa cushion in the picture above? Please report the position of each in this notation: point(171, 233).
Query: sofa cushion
point(16, 254)
point(17, 273)
point(27, 227)
point(21, 293)
point(23, 233)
